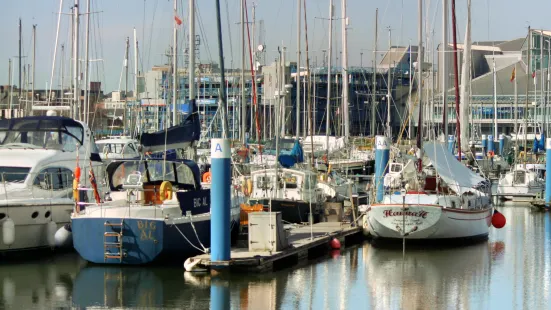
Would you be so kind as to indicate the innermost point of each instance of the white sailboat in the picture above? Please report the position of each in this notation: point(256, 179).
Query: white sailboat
point(441, 200)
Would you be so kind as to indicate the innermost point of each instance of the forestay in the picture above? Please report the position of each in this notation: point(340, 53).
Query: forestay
point(457, 176)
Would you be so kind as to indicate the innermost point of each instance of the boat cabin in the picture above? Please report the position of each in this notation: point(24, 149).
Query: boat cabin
point(289, 184)
point(118, 148)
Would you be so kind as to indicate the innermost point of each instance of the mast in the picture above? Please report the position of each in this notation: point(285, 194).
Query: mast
point(328, 105)
point(55, 52)
point(495, 96)
point(175, 67)
point(465, 83)
point(444, 67)
point(420, 77)
point(243, 102)
point(86, 66)
point(456, 80)
point(528, 70)
point(410, 105)
point(20, 56)
point(191, 69)
point(344, 73)
point(136, 65)
point(389, 86)
point(33, 73)
point(223, 97)
point(282, 111)
point(76, 74)
point(374, 89)
point(254, 107)
point(297, 101)
point(516, 109)
point(126, 114)
point(542, 81)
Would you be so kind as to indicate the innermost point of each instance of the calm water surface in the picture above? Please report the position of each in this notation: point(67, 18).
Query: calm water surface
point(510, 271)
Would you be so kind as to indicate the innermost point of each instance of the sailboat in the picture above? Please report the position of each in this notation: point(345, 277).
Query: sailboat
point(439, 199)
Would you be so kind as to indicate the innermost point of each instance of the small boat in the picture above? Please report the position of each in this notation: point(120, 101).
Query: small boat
point(521, 184)
point(159, 213)
point(40, 155)
point(118, 147)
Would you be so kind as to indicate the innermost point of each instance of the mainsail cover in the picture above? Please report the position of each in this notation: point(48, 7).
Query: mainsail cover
point(459, 178)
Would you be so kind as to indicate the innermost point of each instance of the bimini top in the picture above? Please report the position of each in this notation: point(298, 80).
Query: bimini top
point(180, 172)
point(50, 132)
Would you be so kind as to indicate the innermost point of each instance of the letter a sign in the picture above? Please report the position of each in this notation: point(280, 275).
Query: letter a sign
point(218, 148)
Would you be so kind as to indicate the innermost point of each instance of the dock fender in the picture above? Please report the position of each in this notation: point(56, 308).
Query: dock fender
point(192, 265)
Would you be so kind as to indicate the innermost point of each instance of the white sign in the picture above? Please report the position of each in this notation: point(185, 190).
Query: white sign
point(382, 143)
point(220, 148)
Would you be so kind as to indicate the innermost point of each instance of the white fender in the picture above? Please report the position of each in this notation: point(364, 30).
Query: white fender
point(51, 229)
point(8, 231)
point(63, 237)
point(192, 265)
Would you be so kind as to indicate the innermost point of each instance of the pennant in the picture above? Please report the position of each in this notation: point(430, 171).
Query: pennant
point(178, 20)
point(513, 75)
point(534, 74)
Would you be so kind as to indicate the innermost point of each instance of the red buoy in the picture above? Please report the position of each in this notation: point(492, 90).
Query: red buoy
point(335, 254)
point(335, 244)
point(498, 219)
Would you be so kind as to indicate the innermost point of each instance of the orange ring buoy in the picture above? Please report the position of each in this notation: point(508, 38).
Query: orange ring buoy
point(207, 177)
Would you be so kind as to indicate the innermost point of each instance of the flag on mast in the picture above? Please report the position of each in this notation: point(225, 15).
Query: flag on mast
point(513, 74)
point(178, 20)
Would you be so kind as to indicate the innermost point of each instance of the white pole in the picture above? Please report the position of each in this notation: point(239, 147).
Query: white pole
point(191, 68)
point(76, 73)
point(328, 105)
point(243, 101)
point(444, 69)
point(345, 71)
point(55, 49)
point(389, 86)
point(32, 79)
point(175, 67)
point(86, 67)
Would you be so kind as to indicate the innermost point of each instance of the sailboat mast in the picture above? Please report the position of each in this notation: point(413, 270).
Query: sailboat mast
point(389, 86)
point(175, 67)
point(344, 20)
point(528, 72)
point(374, 77)
point(126, 114)
point(223, 97)
point(516, 109)
point(456, 80)
point(243, 101)
point(495, 98)
point(76, 93)
point(297, 100)
point(29, 109)
point(191, 69)
point(20, 56)
point(445, 67)
point(86, 66)
point(420, 76)
point(328, 104)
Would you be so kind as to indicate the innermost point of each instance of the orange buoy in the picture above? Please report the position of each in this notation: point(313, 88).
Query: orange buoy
point(498, 219)
point(335, 244)
point(207, 176)
point(77, 172)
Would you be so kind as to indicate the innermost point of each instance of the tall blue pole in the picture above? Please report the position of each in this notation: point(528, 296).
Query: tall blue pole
point(501, 144)
point(382, 154)
point(484, 144)
point(451, 141)
point(548, 171)
point(220, 197)
point(491, 143)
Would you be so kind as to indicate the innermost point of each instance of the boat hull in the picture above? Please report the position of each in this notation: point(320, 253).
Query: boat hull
point(426, 222)
point(144, 241)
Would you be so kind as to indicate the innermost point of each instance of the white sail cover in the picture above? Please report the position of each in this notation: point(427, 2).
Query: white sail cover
point(459, 178)
point(464, 105)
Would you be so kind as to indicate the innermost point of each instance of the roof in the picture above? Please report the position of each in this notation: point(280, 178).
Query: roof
point(393, 56)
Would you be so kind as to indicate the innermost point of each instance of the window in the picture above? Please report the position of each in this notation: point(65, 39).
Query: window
point(14, 174)
point(54, 178)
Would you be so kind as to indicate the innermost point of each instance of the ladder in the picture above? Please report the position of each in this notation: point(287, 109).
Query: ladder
point(112, 240)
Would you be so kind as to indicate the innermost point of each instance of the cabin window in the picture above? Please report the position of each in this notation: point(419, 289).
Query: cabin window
point(396, 168)
point(310, 181)
point(54, 178)
point(291, 181)
point(263, 182)
point(519, 177)
point(185, 174)
point(13, 174)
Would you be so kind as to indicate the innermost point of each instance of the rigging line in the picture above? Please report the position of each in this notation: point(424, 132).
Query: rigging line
point(253, 75)
point(151, 33)
point(229, 31)
point(204, 36)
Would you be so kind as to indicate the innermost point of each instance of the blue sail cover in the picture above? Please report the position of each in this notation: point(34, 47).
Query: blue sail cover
point(288, 159)
point(175, 137)
point(539, 145)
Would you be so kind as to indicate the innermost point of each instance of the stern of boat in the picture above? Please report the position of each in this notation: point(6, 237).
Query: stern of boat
point(402, 221)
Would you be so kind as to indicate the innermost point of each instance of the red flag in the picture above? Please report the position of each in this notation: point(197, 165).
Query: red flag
point(178, 20)
point(534, 74)
point(513, 75)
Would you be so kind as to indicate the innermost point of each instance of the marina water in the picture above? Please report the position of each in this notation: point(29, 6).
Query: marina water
point(511, 270)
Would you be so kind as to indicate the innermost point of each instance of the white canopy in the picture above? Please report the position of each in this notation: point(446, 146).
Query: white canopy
point(459, 178)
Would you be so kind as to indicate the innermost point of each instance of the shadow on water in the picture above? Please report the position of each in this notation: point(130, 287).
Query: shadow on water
point(510, 270)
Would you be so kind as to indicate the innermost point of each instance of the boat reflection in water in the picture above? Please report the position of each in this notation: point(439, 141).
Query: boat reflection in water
point(42, 284)
point(428, 279)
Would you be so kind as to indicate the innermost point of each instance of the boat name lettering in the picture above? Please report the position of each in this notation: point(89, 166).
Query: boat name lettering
point(146, 228)
point(200, 202)
point(422, 214)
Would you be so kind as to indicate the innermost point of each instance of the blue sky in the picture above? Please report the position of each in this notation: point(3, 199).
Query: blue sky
point(495, 19)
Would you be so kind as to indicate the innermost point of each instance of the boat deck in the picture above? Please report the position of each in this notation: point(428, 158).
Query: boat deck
point(301, 247)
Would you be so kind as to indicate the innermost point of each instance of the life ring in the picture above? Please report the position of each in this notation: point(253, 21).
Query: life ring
point(491, 153)
point(207, 177)
point(247, 187)
point(165, 192)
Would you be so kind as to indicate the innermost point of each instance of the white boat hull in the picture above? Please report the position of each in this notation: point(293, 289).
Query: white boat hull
point(426, 222)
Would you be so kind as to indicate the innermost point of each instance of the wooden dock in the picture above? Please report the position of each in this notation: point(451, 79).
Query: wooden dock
point(301, 247)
